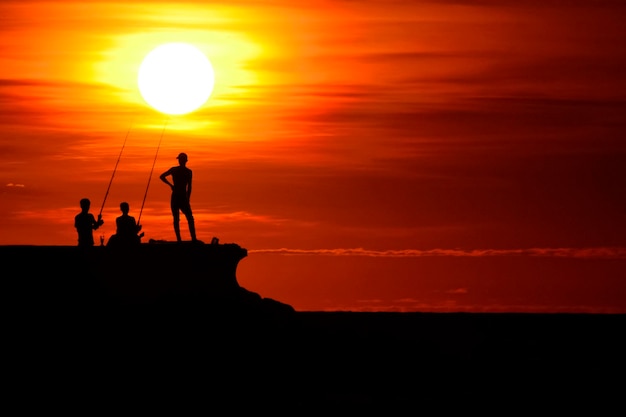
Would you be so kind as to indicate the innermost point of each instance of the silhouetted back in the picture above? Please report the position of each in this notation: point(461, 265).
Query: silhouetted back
point(127, 229)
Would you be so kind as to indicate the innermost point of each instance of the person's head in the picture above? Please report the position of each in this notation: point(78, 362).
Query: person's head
point(182, 158)
point(125, 207)
point(85, 203)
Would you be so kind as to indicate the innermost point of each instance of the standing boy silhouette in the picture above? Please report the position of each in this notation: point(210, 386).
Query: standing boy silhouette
point(85, 223)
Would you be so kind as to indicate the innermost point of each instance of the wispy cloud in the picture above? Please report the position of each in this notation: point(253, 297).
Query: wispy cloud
point(412, 306)
point(583, 253)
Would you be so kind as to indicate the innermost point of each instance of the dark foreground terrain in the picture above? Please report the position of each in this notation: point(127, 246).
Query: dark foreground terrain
point(181, 360)
point(166, 329)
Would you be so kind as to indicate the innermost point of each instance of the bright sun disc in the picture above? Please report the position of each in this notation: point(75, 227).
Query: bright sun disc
point(175, 78)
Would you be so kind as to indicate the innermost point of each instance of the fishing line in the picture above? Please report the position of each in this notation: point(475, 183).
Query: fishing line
point(152, 170)
point(115, 169)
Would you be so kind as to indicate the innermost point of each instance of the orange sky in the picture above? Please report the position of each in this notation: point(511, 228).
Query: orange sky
point(375, 155)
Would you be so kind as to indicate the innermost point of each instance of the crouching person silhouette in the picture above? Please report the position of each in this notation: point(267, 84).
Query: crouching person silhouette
point(127, 232)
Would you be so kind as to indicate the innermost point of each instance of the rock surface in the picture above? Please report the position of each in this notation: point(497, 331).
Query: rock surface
point(151, 276)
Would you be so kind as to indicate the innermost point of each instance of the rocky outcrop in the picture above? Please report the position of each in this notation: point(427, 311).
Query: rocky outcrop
point(157, 276)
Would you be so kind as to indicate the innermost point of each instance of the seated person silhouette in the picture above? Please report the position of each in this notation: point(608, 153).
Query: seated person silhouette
point(127, 233)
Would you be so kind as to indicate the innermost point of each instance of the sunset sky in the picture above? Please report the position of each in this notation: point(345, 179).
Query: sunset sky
point(370, 155)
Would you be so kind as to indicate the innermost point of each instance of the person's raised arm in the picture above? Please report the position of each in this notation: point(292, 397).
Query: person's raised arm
point(98, 223)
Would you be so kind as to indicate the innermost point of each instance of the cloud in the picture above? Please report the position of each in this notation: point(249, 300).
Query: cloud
point(581, 253)
point(396, 306)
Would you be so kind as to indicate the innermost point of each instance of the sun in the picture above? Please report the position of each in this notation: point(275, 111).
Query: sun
point(175, 78)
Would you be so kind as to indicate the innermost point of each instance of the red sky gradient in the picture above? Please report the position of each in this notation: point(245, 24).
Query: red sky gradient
point(371, 155)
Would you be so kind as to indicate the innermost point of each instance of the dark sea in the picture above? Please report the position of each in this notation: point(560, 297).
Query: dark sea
point(318, 362)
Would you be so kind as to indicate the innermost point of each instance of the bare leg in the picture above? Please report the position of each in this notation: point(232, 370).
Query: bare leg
point(176, 217)
point(177, 230)
point(192, 228)
point(191, 222)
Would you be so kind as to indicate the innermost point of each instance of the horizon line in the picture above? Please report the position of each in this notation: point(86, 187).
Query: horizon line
point(579, 253)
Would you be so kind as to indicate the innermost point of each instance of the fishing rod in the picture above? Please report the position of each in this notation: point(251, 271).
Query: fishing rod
point(152, 170)
point(115, 169)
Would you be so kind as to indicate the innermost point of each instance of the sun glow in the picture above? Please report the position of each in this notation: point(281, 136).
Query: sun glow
point(176, 78)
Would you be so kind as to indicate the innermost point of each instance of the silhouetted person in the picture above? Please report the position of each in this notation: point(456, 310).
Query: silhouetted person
point(181, 193)
point(127, 232)
point(85, 223)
